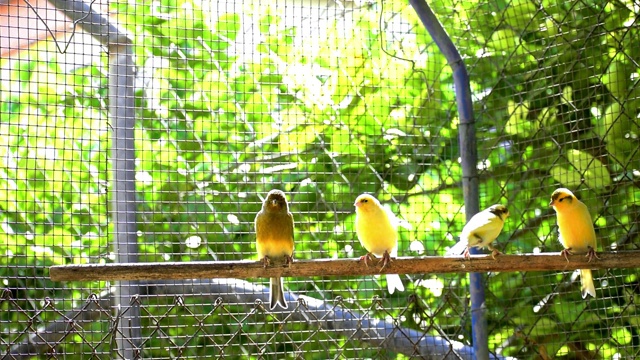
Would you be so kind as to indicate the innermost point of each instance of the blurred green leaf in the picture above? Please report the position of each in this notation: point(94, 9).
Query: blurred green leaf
point(582, 168)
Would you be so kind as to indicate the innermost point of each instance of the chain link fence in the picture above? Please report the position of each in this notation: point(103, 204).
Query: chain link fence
point(324, 100)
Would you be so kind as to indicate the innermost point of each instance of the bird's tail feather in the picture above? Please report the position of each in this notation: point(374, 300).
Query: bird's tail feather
point(276, 293)
point(458, 248)
point(394, 282)
point(586, 278)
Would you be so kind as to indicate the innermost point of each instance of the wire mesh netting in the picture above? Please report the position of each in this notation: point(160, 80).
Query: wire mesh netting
point(325, 100)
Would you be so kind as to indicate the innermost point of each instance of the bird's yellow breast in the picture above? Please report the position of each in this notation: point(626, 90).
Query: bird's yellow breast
point(375, 231)
point(274, 234)
point(576, 228)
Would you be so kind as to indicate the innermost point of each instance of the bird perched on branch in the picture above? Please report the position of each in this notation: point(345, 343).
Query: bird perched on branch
point(483, 228)
point(576, 233)
point(274, 238)
point(376, 229)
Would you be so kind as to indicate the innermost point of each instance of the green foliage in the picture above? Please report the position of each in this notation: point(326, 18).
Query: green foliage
point(54, 203)
point(224, 116)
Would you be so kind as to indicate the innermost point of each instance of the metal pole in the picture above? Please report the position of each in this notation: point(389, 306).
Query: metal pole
point(122, 109)
point(91, 21)
point(122, 120)
point(469, 157)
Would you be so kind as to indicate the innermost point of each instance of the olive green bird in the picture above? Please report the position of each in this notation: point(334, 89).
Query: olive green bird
point(274, 238)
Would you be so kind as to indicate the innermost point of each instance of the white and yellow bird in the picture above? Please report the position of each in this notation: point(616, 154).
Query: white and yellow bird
point(576, 233)
point(377, 230)
point(483, 228)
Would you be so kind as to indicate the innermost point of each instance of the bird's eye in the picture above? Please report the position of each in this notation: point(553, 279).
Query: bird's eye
point(365, 200)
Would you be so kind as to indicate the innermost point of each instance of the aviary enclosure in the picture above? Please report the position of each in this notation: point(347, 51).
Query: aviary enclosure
point(140, 138)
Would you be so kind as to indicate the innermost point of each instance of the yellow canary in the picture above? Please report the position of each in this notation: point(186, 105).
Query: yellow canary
point(377, 231)
point(274, 238)
point(483, 228)
point(576, 232)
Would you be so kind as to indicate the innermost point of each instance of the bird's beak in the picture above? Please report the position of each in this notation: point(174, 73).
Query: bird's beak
point(357, 204)
point(551, 203)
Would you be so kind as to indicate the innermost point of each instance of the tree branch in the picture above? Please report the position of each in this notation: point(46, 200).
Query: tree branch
point(339, 267)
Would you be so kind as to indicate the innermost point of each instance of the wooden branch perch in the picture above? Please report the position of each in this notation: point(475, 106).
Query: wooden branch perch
point(338, 267)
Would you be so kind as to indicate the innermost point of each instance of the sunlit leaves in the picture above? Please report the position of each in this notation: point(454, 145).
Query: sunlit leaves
point(234, 102)
point(518, 125)
point(504, 40)
point(54, 166)
point(183, 25)
point(519, 14)
point(583, 167)
point(228, 26)
point(620, 131)
point(617, 79)
point(297, 130)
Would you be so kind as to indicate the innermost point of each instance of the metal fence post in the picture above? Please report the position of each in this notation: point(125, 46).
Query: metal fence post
point(469, 158)
point(122, 119)
point(121, 77)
